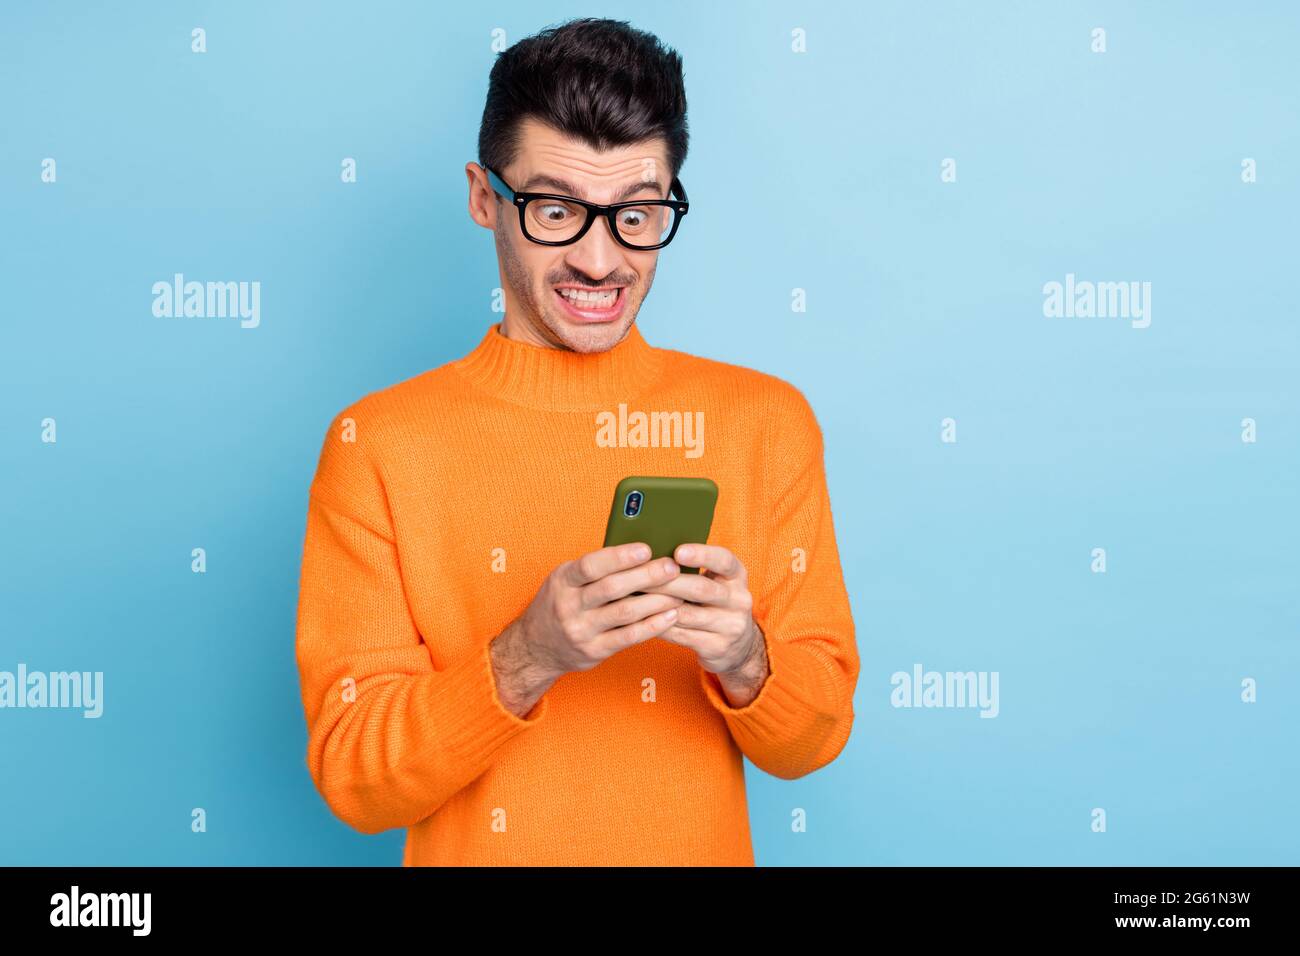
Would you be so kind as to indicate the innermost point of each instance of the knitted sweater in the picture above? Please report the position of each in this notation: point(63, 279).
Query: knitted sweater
point(439, 506)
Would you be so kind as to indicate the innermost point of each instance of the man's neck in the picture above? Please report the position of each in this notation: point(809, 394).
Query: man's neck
point(522, 330)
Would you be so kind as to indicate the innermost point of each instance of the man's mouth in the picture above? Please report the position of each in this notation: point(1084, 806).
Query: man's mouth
point(585, 304)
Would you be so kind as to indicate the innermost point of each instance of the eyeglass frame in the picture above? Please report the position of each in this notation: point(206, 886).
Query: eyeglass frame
point(521, 199)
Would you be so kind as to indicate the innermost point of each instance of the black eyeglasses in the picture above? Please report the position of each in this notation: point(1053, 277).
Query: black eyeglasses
point(552, 220)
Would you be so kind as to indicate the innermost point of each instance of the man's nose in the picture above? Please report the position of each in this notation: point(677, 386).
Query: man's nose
point(597, 254)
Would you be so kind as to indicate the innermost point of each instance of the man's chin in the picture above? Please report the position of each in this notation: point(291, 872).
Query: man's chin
point(589, 336)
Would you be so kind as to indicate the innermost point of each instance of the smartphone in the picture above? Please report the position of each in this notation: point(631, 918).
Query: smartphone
point(662, 512)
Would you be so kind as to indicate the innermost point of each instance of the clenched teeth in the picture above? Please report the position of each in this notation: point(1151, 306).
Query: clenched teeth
point(600, 300)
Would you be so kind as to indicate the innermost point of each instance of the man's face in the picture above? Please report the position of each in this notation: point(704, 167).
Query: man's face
point(533, 275)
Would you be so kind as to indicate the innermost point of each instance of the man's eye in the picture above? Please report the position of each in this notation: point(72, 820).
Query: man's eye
point(554, 213)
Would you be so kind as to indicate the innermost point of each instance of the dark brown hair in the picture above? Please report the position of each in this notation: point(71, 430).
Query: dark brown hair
point(600, 81)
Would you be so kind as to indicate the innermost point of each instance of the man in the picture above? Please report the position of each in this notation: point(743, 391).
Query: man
point(474, 668)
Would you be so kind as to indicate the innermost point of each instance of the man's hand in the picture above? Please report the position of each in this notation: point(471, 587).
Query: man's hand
point(584, 612)
point(717, 622)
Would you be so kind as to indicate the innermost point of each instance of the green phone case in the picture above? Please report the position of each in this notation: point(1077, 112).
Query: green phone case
point(672, 511)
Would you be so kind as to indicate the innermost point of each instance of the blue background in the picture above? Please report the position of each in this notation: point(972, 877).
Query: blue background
point(1118, 690)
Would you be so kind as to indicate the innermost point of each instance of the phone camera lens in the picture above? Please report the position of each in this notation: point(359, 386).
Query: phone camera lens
point(632, 507)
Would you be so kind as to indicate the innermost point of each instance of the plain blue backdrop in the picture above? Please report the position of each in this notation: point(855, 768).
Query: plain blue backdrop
point(817, 171)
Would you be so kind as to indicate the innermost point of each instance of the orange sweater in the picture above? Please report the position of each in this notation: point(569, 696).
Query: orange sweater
point(439, 506)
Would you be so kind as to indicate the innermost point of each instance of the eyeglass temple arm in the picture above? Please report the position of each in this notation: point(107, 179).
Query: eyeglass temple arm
point(680, 190)
point(499, 184)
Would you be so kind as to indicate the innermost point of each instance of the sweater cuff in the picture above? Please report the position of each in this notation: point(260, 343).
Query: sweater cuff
point(469, 702)
point(799, 688)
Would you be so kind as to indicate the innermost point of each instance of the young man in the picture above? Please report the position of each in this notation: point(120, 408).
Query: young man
point(474, 666)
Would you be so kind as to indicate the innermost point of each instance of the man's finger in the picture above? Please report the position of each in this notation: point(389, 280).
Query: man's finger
point(620, 584)
point(710, 557)
point(624, 637)
point(597, 564)
point(629, 610)
point(703, 643)
point(695, 588)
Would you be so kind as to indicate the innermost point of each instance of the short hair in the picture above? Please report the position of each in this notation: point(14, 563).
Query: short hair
point(600, 81)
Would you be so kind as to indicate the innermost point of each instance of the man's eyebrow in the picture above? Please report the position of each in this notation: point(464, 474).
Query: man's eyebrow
point(541, 183)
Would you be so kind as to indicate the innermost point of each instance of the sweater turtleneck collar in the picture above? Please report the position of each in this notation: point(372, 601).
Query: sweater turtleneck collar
point(560, 379)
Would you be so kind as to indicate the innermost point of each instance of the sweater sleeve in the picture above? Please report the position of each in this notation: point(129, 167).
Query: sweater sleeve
point(390, 736)
point(801, 717)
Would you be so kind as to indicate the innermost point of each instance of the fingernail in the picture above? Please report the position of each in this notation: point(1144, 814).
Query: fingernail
point(685, 553)
point(672, 614)
point(643, 552)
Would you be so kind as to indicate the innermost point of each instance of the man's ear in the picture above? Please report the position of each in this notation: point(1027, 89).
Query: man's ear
point(482, 197)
